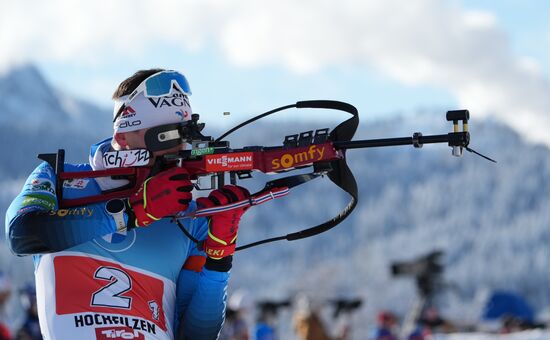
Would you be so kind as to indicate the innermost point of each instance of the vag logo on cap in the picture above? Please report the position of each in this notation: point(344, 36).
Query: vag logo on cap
point(177, 99)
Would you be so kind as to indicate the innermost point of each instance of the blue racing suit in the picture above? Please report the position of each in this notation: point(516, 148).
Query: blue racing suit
point(94, 282)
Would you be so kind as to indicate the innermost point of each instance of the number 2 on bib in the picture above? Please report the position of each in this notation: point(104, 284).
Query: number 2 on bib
point(111, 294)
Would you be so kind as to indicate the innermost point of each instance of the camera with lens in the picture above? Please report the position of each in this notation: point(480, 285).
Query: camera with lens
point(427, 270)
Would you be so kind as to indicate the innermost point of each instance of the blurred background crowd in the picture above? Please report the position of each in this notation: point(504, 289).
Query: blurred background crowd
point(307, 317)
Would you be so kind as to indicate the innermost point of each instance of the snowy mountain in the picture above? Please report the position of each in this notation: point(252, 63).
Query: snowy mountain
point(29, 102)
point(36, 118)
point(491, 220)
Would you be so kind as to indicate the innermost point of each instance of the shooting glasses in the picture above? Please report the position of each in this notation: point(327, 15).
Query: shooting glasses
point(160, 84)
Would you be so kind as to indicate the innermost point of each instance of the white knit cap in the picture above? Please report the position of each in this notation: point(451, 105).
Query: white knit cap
point(143, 112)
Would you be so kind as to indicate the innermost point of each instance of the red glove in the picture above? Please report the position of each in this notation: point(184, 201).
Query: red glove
point(164, 194)
point(223, 226)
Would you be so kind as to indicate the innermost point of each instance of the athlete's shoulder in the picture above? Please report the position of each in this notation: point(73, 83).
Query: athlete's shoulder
point(38, 191)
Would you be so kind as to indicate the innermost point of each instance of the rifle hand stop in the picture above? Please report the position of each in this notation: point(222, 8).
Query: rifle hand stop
point(459, 139)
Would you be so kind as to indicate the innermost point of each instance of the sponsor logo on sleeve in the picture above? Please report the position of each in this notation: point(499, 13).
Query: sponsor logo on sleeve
point(42, 201)
point(77, 183)
point(84, 211)
point(28, 209)
point(40, 185)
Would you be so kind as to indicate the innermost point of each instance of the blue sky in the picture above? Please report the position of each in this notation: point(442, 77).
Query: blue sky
point(385, 57)
point(526, 23)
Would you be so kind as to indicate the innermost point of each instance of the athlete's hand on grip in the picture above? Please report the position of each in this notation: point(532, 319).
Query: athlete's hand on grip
point(164, 194)
point(223, 226)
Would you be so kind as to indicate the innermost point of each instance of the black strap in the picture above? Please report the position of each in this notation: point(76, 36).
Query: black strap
point(340, 174)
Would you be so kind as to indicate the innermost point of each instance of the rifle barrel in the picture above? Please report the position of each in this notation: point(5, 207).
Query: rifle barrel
point(373, 143)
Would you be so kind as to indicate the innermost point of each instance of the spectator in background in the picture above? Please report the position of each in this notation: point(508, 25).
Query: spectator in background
point(5, 292)
point(236, 326)
point(266, 325)
point(264, 331)
point(511, 324)
point(429, 323)
point(344, 308)
point(309, 326)
point(30, 330)
point(307, 320)
point(387, 322)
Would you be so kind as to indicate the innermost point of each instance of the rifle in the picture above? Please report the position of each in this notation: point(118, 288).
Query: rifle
point(323, 150)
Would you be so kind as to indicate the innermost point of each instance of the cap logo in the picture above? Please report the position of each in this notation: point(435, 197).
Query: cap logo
point(128, 112)
point(184, 115)
point(177, 99)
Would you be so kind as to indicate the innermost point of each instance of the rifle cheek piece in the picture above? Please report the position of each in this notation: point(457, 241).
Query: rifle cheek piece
point(168, 136)
point(164, 137)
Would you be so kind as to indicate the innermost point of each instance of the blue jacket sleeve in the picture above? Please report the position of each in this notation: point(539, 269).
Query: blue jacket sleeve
point(35, 225)
point(203, 318)
point(201, 296)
